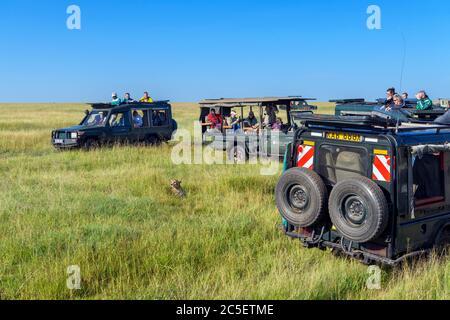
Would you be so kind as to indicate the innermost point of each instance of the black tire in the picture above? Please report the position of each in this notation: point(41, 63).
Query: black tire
point(174, 125)
point(238, 154)
point(91, 144)
point(301, 197)
point(443, 239)
point(358, 209)
point(153, 140)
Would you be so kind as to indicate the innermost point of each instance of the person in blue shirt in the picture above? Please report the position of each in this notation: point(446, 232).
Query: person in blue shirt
point(137, 120)
point(235, 121)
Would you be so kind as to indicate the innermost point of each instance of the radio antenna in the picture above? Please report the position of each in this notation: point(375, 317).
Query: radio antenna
point(403, 62)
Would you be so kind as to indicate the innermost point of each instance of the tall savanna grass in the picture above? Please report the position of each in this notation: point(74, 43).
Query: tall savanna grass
point(112, 213)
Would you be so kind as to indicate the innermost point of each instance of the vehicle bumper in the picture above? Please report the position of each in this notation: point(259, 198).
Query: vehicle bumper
point(65, 143)
point(365, 257)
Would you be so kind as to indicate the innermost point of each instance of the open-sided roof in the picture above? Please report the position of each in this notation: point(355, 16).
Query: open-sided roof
point(243, 101)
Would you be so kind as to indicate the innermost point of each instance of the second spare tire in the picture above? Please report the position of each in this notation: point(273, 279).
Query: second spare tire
point(358, 209)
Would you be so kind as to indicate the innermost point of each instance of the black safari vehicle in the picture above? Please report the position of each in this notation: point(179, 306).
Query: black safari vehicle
point(150, 123)
point(369, 187)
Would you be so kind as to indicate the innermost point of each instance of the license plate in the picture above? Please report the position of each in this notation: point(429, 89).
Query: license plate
point(59, 141)
point(343, 136)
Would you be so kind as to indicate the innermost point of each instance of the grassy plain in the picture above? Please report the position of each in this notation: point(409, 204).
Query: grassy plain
point(111, 212)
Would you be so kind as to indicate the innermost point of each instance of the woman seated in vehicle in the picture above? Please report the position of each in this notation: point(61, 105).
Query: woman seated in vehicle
point(215, 120)
point(278, 125)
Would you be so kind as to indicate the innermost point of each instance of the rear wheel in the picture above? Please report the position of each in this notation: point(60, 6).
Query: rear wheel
point(237, 154)
point(301, 197)
point(153, 140)
point(358, 209)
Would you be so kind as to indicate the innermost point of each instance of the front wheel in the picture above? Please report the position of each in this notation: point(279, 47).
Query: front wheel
point(91, 144)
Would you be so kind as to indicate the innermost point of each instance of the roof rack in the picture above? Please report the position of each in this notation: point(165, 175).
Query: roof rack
point(240, 101)
point(342, 101)
point(103, 105)
point(374, 121)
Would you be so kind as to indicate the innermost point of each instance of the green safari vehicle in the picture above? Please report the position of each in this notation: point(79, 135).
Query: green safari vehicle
point(258, 137)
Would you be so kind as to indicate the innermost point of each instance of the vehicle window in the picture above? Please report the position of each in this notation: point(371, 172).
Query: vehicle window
point(139, 119)
point(428, 179)
point(96, 118)
point(117, 120)
point(159, 118)
point(337, 163)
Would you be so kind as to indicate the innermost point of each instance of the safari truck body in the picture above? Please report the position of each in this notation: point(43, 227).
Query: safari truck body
point(107, 125)
point(250, 141)
point(408, 113)
point(367, 187)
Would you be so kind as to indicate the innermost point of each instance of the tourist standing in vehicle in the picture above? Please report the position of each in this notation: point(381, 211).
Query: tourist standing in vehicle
point(399, 103)
point(405, 95)
point(235, 121)
point(390, 93)
point(424, 102)
point(146, 98)
point(115, 100)
point(128, 99)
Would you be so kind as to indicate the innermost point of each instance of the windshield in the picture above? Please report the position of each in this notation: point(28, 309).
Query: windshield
point(96, 119)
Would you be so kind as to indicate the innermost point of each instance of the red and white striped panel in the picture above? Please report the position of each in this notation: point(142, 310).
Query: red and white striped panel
point(305, 157)
point(382, 168)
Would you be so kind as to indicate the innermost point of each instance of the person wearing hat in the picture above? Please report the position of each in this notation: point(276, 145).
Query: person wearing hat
point(235, 121)
point(115, 100)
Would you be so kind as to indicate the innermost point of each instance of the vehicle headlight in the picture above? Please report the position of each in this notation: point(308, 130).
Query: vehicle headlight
point(74, 135)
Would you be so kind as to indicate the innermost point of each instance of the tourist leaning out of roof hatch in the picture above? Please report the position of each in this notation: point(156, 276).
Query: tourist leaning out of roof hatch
point(146, 98)
point(128, 99)
point(115, 100)
point(390, 93)
point(399, 103)
point(424, 102)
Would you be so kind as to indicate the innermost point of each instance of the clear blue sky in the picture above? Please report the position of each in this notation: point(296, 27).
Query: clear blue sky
point(188, 50)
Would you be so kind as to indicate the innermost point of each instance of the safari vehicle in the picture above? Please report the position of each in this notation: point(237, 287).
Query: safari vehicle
point(409, 112)
point(107, 125)
point(367, 187)
point(256, 139)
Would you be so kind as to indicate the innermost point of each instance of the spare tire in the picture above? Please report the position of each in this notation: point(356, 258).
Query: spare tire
point(358, 209)
point(301, 197)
